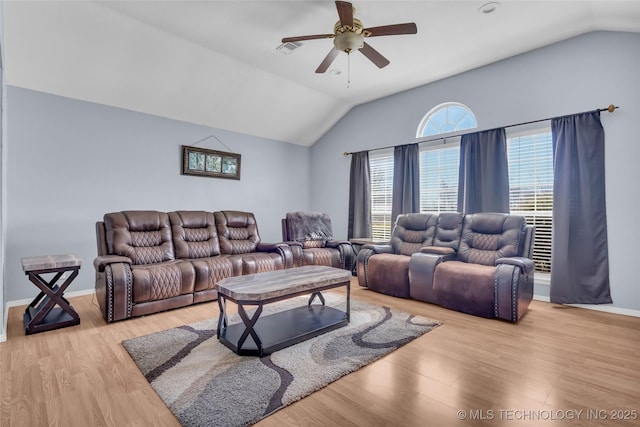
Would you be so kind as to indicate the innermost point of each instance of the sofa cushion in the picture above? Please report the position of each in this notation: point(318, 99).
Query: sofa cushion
point(208, 271)
point(258, 262)
point(161, 281)
point(194, 234)
point(465, 287)
point(448, 230)
point(489, 236)
point(413, 231)
point(322, 256)
point(389, 274)
point(142, 236)
point(237, 232)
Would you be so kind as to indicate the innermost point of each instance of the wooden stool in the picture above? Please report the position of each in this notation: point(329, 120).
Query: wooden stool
point(42, 314)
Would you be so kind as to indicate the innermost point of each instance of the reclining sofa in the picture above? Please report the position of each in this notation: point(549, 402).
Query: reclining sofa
point(310, 236)
point(478, 264)
point(150, 261)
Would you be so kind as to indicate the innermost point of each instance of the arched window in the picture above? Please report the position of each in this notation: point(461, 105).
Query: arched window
point(445, 118)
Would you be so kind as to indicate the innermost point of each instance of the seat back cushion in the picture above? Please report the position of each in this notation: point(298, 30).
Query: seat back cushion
point(489, 236)
point(143, 236)
point(237, 232)
point(194, 234)
point(413, 231)
point(448, 230)
point(312, 229)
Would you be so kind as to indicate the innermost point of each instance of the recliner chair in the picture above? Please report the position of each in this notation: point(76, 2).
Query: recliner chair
point(310, 236)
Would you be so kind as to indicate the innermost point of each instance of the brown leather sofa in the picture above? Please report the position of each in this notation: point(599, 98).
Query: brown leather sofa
point(150, 261)
point(478, 264)
point(310, 236)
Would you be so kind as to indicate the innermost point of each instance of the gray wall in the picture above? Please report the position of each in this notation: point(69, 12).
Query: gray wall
point(584, 73)
point(3, 89)
point(70, 162)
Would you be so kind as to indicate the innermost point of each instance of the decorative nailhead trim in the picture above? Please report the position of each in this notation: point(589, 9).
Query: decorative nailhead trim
point(514, 291)
point(109, 285)
point(495, 290)
point(129, 292)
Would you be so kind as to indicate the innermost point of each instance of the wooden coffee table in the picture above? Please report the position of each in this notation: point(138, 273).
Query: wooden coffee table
point(259, 336)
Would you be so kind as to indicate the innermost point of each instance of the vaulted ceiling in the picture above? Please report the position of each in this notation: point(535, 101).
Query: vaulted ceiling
point(217, 63)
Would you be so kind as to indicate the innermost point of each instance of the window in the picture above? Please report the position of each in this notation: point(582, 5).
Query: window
point(439, 178)
point(381, 169)
point(445, 118)
point(531, 189)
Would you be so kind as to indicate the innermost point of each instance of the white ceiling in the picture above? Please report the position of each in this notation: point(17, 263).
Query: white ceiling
point(215, 62)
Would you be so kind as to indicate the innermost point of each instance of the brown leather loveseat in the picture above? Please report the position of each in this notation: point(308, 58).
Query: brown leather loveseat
point(150, 261)
point(475, 263)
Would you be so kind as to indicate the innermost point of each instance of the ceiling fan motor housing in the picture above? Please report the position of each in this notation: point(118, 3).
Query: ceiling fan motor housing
point(348, 38)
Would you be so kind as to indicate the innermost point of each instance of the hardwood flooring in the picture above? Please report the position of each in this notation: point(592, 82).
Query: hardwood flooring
point(558, 366)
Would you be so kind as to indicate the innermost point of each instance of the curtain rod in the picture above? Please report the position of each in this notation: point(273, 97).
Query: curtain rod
point(611, 108)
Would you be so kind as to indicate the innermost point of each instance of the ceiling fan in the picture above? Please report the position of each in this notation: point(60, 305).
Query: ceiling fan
point(349, 34)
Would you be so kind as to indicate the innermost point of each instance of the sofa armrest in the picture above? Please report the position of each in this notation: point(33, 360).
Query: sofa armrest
point(296, 252)
point(513, 287)
point(336, 243)
point(347, 254)
point(103, 260)
point(379, 249)
point(283, 249)
point(422, 267)
point(437, 250)
point(526, 265)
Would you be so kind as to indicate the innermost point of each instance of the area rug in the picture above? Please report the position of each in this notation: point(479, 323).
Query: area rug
point(204, 383)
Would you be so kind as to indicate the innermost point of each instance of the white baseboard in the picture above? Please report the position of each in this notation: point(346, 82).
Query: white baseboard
point(596, 307)
point(17, 303)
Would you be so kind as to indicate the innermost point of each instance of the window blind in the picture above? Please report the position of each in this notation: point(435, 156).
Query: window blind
point(531, 189)
point(439, 179)
point(381, 169)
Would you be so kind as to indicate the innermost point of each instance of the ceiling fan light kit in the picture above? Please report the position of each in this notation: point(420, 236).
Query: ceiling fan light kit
point(349, 34)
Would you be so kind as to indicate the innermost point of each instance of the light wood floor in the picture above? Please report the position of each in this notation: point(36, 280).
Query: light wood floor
point(556, 362)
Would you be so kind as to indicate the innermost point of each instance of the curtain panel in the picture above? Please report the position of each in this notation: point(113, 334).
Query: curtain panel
point(359, 197)
point(483, 176)
point(406, 181)
point(579, 253)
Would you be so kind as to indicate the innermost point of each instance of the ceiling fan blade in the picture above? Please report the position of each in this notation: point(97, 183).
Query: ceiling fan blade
point(328, 60)
point(392, 30)
point(345, 12)
point(312, 37)
point(374, 56)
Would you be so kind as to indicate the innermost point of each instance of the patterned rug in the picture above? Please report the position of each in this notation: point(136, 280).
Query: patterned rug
point(204, 383)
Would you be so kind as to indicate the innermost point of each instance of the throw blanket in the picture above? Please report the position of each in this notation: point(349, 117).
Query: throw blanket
point(303, 226)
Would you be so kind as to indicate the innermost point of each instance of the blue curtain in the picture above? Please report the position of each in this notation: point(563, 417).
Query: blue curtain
point(579, 253)
point(406, 181)
point(483, 176)
point(359, 196)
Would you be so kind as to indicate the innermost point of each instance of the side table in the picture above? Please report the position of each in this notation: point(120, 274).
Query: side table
point(42, 314)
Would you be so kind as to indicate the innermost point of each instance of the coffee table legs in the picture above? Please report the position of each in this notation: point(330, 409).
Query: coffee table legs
point(249, 323)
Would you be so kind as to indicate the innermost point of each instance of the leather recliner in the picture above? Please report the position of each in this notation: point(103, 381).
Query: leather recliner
point(310, 237)
point(475, 263)
point(490, 275)
point(385, 268)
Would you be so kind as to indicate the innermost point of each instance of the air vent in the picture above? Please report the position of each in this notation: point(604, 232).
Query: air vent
point(288, 47)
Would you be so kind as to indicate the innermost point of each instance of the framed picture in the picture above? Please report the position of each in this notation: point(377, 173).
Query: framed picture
point(211, 163)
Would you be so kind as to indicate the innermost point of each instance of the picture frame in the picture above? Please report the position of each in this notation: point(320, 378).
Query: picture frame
point(210, 163)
